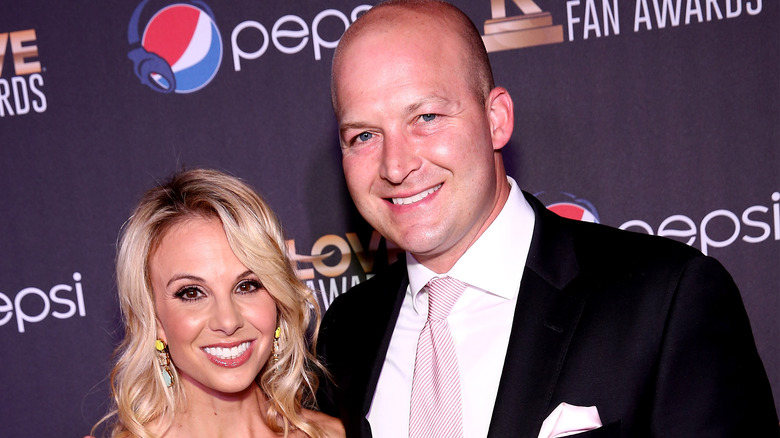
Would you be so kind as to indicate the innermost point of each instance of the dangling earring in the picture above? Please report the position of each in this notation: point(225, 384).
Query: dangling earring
point(277, 335)
point(165, 362)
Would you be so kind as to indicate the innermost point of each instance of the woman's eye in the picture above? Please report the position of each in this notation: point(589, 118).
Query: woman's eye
point(365, 136)
point(248, 286)
point(190, 293)
point(428, 117)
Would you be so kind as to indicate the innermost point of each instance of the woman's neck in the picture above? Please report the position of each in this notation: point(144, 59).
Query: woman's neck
point(217, 415)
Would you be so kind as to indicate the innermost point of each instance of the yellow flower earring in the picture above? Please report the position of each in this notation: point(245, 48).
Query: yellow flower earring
point(277, 335)
point(164, 357)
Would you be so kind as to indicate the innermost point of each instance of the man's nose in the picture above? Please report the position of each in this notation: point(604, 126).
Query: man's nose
point(399, 157)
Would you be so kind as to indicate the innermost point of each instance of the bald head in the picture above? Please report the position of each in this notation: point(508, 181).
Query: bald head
point(394, 16)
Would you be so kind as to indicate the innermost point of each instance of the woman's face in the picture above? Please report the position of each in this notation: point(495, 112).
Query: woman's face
point(216, 317)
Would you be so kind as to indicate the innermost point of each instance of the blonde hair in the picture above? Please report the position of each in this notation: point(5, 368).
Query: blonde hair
point(140, 396)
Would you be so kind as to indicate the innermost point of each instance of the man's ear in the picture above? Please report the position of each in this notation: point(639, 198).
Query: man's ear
point(501, 114)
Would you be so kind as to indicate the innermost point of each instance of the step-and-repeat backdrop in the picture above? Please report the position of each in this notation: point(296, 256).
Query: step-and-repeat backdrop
point(658, 116)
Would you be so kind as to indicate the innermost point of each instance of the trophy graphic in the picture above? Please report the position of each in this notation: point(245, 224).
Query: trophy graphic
point(533, 28)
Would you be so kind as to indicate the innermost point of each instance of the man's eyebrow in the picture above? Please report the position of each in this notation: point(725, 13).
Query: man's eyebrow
point(343, 127)
point(408, 109)
point(413, 107)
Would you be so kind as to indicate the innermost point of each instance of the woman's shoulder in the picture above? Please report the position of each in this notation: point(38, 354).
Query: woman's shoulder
point(331, 426)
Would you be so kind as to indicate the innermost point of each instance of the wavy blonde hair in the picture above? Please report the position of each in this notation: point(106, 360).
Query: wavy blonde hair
point(140, 397)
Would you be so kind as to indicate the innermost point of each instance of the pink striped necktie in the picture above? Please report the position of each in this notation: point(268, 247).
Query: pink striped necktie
point(436, 406)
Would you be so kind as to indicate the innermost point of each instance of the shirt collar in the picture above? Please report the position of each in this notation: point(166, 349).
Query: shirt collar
point(495, 262)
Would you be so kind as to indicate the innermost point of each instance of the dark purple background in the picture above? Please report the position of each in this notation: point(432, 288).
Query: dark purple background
point(646, 125)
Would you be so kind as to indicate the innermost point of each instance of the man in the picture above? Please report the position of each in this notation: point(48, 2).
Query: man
point(648, 331)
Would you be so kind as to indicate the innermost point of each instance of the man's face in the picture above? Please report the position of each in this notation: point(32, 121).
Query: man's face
point(418, 154)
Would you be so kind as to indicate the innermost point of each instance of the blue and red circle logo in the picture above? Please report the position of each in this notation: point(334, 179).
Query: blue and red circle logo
point(569, 206)
point(180, 49)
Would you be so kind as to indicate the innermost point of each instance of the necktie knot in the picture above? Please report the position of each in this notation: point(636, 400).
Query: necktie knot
point(443, 292)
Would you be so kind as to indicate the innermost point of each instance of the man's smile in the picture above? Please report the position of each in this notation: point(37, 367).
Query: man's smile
point(415, 198)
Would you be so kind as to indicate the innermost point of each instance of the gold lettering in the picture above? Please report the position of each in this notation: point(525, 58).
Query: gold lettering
point(22, 52)
point(3, 45)
point(533, 28)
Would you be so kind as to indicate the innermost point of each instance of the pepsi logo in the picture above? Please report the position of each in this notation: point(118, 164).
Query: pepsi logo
point(572, 211)
point(180, 49)
point(569, 206)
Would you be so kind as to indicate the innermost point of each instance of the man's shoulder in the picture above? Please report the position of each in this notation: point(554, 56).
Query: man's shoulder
point(606, 255)
point(361, 315)
point(385, 275)
point(602, 243)
point(377, 290)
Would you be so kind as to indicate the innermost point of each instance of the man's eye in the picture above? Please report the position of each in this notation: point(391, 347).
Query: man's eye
point(428, 117)
point(365, 136)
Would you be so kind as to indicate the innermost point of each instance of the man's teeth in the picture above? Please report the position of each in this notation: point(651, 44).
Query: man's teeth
point(414, 198)
point(227, 353)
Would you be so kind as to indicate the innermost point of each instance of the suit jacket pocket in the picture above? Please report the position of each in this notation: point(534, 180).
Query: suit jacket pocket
point(611, 430)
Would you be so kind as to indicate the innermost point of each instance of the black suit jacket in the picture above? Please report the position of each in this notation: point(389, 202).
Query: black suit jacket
point(648, 330)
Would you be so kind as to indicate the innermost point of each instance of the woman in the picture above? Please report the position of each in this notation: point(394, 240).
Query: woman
point(215, 319)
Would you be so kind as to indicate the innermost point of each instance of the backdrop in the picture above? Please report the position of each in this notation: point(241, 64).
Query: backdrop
point(660, 116)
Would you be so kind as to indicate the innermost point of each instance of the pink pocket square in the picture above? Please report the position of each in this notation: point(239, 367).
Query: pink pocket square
point(568, 419)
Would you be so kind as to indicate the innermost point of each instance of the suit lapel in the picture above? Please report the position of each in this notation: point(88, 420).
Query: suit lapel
point(355, 335)
point(380, 330)
point(545, 318)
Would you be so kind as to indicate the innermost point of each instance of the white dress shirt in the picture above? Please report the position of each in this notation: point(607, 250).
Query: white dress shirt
point(480, 322)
